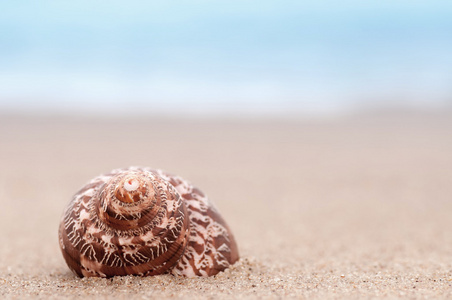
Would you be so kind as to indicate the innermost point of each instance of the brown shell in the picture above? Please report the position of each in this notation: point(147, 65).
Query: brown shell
point(139, 221)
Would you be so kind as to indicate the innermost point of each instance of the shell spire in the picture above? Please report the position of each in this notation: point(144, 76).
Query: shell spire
point(131, 189)
point(140, 221)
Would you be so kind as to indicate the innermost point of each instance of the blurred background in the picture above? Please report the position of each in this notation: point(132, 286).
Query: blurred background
point(224, 57)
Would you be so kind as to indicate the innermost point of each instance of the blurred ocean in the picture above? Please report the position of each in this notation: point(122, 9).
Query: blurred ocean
point(224, 57)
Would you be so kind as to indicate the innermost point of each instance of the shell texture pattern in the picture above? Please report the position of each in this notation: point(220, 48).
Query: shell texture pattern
point(140, 221)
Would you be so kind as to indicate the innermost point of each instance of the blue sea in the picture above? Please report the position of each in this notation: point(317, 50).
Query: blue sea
point(224, 57)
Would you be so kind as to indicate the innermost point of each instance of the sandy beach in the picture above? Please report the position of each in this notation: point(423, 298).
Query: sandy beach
point(346, 208)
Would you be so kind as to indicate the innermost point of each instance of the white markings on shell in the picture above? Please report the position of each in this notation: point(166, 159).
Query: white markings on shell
point(200, 234)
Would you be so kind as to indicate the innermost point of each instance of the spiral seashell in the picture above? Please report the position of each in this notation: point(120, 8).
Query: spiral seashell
point(140, 221)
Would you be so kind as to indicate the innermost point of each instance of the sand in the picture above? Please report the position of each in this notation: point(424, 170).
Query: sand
point(352, 207)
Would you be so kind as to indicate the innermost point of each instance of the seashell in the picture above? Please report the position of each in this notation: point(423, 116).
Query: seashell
point(140, 221)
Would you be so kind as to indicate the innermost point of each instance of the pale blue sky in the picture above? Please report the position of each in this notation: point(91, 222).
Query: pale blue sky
point(224, 56)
